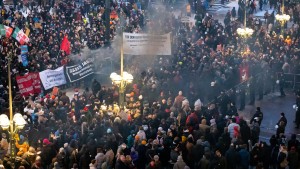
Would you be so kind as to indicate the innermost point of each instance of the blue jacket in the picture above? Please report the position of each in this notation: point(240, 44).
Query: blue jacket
point(244, 158)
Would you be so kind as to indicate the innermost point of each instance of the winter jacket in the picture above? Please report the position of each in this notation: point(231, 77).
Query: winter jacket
point(179, 165)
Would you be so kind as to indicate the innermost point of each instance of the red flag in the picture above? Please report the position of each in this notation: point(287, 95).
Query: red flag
point(66, 45)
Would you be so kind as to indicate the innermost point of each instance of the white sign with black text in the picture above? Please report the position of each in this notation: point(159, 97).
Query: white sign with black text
point(146, 44)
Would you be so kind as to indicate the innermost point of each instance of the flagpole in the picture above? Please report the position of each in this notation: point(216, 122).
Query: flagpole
point(57, 54)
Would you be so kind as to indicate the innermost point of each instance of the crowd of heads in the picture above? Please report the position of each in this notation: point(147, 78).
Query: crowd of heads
point(165, 123)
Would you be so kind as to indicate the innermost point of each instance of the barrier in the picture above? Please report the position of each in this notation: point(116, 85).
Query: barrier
point(293, 80)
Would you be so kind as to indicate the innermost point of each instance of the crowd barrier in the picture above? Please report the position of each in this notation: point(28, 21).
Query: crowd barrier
point(292, 80)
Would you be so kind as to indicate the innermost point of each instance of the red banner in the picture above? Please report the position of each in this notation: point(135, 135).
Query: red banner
point(29, 84)
point(25, 85)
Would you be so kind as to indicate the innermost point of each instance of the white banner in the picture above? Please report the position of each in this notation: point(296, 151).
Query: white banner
point(146, 44)
point(52, 78)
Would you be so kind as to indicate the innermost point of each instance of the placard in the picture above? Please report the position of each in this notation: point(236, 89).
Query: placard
point(146, 44)
point(51, 78)
point(80, 71)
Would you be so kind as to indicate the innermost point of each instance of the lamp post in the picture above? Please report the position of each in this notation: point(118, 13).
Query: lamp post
point(14, 122)
point(245, 32)
point(124, 78)
point(282, 18)
point(107, 22)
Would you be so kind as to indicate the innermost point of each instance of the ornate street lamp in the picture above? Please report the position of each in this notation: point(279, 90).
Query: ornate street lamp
point(121, 81)
point(282, 18)
point(14, 122)
point(245, 32)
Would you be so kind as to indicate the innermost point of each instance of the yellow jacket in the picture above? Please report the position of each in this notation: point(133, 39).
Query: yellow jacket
point(23, 148)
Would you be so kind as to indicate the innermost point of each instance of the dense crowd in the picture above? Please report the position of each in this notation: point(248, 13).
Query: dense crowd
point(165, 123)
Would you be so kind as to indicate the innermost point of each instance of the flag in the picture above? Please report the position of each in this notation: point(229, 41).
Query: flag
point(20, 36)
point(66, 45)
point(24, 54)
point(24, 49)
point(2, 30)
point(24, 59)
point(8, 31)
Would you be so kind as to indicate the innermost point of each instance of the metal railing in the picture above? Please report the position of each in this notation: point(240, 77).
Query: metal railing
point(290, 78)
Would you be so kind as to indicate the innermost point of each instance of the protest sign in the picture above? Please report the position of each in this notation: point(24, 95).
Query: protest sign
point(80, 70)
point(146, 44)
point(24, 53)
point(25, 85)
point(51, 78)
point(29, 84)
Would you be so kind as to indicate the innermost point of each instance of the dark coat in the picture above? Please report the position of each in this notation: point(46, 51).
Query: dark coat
point(121, 165)
point(293, 157)
point(244, 158)
point(232, 157)
point(221, 163)
point(280, 159)
point(141, 163)
point(47, 154)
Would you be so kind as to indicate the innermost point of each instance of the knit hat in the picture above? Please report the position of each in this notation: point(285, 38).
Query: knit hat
point(52, 97)
point(46, 142)
point(144, 142)
point(123, 145)
point(185, 102)
point(179, 158)
point(198, 104)
point(156, 157)
point(56, 164)
point(212, 122)
point(38, 158)
point(61, 150)
point(140, 97)
point(199, 141)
